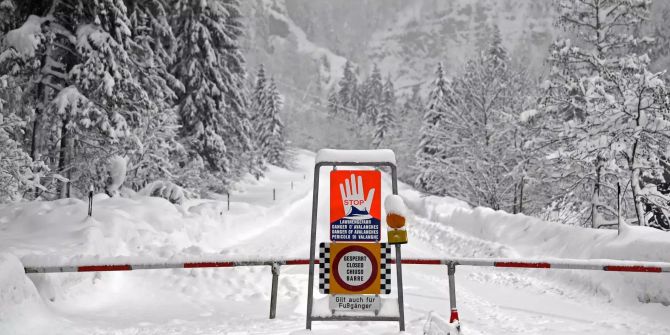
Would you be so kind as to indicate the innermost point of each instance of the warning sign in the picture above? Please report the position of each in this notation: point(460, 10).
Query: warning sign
point(354, 268)
point(355, 205)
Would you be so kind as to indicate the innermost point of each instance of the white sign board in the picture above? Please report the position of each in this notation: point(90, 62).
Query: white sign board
point(355, 302)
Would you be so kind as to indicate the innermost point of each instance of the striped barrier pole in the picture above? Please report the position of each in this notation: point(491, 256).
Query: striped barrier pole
point(158, 266)
point(451, 263)
point(601, 265)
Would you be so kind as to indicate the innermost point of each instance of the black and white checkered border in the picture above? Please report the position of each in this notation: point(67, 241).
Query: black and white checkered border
point(324, 268)
point(385, 275)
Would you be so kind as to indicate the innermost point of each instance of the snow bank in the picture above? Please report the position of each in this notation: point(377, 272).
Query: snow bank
point(528, 237)
point(18, 296)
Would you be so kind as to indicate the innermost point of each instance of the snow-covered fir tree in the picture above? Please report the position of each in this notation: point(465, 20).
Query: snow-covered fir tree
point(107, 78)
point(274, 142)
point(103, 78)
point(385, 118)
point(404, 140)
point(18, 174)
point(439, 100)
point(348, 95)
point(215, 122)
point(372, 95)
point(334, 106)
point(152, 149)
point(258, 104)
point(269, 139)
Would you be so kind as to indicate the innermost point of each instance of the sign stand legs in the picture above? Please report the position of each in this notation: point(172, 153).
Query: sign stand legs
point(312, 247)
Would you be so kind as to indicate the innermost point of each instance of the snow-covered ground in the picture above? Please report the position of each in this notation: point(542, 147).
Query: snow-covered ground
point(236, 300)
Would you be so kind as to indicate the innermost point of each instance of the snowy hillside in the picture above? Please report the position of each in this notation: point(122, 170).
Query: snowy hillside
point(236, 300)
point(425, 33)
point(406, 38)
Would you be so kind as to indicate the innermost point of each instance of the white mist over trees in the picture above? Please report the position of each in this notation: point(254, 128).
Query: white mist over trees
point(160, 82)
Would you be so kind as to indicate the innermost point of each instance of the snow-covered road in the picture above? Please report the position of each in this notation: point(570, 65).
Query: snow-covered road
point(236, 300)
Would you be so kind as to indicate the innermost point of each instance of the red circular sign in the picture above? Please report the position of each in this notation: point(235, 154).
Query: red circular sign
point(336, 262)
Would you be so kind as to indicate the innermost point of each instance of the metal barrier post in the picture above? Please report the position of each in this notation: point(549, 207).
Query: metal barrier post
point(451, 271)
point(398, 259)
point(273, 297)
point(401, 303)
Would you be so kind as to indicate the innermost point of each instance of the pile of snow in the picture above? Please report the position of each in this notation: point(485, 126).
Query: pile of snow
point(18, 296)
point(521, 236)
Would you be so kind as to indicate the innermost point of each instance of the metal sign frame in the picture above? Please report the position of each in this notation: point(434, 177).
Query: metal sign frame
point(312, 249)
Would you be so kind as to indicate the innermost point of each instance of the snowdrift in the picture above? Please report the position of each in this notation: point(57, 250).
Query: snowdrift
point(520, 236)
point(18, 296)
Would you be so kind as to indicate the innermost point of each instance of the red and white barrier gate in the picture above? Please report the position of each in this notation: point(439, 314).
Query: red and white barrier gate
point(451, 263)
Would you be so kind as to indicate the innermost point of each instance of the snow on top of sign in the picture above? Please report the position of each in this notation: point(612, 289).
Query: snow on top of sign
point(356, 156)
point(394, 204)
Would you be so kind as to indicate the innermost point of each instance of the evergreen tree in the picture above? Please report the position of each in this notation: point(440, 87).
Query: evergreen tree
point(153, 150)
point(386, 116)
point(16, 167)
point(372, 96)
point(439, 100)
point(107, 79)
point(215, 122)
point(102, 78)
point(275, 149)
point(404, 140)
point(348, 95)
point(334, 105)
point(259, 100)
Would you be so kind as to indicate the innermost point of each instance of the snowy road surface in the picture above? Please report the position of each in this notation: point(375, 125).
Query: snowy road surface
point(236, 300)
